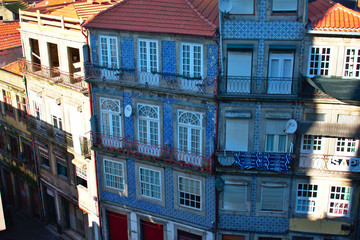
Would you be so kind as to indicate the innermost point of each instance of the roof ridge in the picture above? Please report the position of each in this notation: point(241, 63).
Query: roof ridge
point(103, 11)
point(200, 14)
point(348, 10)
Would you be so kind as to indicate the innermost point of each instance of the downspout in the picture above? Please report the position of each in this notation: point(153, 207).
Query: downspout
point(42, 209)
point(216, 130)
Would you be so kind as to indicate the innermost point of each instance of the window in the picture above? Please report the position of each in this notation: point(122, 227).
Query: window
point(56, 115)
point(191, 60)
point(150, 183)
point(7, 102)
point(339, 200)
point(319, 61)
point(239, 71)
point(280, 73)
point(61, 164)
point(242, 7)
point(272, 197)
point(275, 139)
point(21, 107)
point(284, 6)
point(189, 132)
point(110, 117)
point(81, 176)
point(234, 197)
point(2, 140)
point(109, 52)
point(148, 56)
point(235, 141)
point(352, 63)
point(346, 146)
point(44, 156)
point(57, 122)
point(148, 128)
point(189, 192)
point(27, 155)
point(14, 147)
point(311, 144)
point(306, 198)
point(114, 174)
point(37, 109)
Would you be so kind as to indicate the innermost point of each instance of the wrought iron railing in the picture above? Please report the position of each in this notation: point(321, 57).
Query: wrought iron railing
point(238, 85)
point(160, 80)
point(157, 153)
point(55, 75)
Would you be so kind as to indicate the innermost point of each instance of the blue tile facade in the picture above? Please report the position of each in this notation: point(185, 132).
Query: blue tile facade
point(168, 56)
point(127, 53)
point(93, 49)
point(212, 61)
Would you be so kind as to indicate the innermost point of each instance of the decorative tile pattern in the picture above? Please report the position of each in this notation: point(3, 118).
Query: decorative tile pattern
point(93, 49)
point(128, 121)
point(260, 62)
point(257, 128)
point(168, 122)
point(210, 129)
point(127, 53)
point(212, 60)
point(168, 56)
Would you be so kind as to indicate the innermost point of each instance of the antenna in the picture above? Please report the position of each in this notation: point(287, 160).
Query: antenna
point(225, 5)
point(290, 126)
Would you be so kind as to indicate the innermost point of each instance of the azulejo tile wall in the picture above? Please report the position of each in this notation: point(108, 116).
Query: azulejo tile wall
point(168, 56)
point(127, 53)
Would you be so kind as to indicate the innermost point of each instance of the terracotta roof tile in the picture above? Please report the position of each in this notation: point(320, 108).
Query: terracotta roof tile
point(9, 35)
point(15, 67)
point(160, 16)
point(326, 15)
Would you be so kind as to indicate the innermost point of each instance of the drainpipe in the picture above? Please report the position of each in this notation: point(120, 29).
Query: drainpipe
point(42, 203)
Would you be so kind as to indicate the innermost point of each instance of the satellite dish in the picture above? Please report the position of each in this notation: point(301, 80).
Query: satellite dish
point(291, 126)
point(225, 5)
point(128, 110)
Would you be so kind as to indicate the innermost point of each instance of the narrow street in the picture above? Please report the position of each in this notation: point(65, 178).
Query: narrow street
point(24, 228)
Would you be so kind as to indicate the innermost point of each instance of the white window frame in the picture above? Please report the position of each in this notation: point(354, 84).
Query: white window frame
point(351, 65)
point(290, 8)
point(238, 7)
point(45, 153)
point(272, 185)
point(308, 198)
point(243, 197)
point(312, 141)
point(146, 62)
point(319, 61)
point(81, 172)
point(190, 192)
point(334, 200)
point(346, 142)
point(280, 84)
point(111, 60)
point(149, 120)
point(149, 185)
point(189, 128)
point(111, 114)
point(275, 147)
point(192, 72)
point(111, 177)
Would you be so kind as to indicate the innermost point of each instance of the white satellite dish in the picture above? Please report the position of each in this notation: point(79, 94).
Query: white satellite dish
point(291, 126)
point(225, 5)
point(128, 110)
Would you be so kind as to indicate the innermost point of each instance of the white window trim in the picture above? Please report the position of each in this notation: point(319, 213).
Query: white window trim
point(148, 120)
point(340, 153)
point(160, 184)
point(192, 45)
point(108, 38)
point(355, 62)
point(117, 102)
point(314, 199)
point(123, 175)
point(276, 143)
point(339, 201)
point(148, 65)
point(200, 194)
point(319, 62)
point(312, 145)
point(189, 126)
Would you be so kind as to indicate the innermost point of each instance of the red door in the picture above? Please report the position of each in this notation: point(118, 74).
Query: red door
point(118, 226)
point(151, 231)
point(182, 235)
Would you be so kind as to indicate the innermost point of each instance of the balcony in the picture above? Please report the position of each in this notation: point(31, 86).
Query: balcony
point(153, 153)
point(80, 144)
point(278, 162)
point(54, 75)
point(151, 80)
point(237, 85)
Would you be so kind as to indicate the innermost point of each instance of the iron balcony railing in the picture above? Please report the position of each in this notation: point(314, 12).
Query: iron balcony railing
point(238, 85)
point(155, 80)
point(154, 153)
point(62, 137)
point(55, 75)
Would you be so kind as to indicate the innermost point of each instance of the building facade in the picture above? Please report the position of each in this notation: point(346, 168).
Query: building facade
point(153, 85)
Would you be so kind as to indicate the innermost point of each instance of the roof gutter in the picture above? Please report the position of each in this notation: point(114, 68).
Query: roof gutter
point(333, 33)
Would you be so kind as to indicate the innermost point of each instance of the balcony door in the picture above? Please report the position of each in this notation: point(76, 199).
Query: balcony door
point(239, 72)
point(148, 62)
point(110, 122)
point(54, 60)
point(280, 73)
